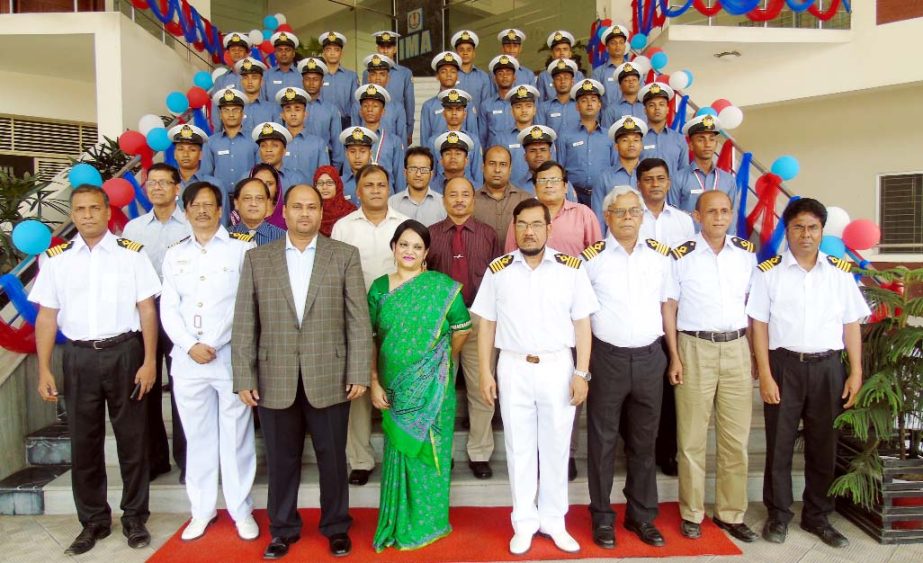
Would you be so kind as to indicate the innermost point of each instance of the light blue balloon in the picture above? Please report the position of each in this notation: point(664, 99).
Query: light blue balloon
point(177, 102)
point(659, 60)
point(691, 78)
point(84, 174)
point(638, 41)
point(270, 22)
point(158, 139)
point(786, 167)
point(31, 237)
point(706, 111)
point(267, 34)
point(203, 79)
point(833, 246)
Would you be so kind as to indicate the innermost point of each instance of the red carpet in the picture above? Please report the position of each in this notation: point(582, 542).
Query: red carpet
point(480, 534)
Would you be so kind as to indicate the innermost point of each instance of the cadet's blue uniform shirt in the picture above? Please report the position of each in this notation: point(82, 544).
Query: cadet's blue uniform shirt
point(693, 182)
point(338, 89)
point(323, 120)
point(615, 176)
point(545, 85)
point(623, 107)
point(276, 79)
point(388, 152)
point(605, 75)
point(201, 176)
point(477, 83)
point(306, 153)
point(561, 117)
point(400, 87)
point(498, 115)
point(432, 123)
point(392, 121)
point(289, 177)
point(474, 170)
point(258, 112)
point(228, 158)
point(229, 79)
point(669, 145)
point(519, 169)
point(586, 155)
point(525, 76)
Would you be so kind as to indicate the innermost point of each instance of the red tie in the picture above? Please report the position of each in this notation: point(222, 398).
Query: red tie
point(458, 270)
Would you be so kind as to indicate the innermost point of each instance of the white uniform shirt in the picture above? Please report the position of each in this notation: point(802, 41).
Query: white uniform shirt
point(672, 227)
point(631, 289)
point(96, 292)
point(805, 311)
point(157, 236)
point(535, 309)
point(373, 241)
point(300, 267)
point(712, 289)
point(197, 304)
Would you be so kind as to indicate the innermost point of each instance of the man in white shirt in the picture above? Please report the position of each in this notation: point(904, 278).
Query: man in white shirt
point(419, 201)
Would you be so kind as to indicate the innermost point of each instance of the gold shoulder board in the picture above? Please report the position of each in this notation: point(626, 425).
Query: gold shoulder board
point(130, 245)
point(658, 246)
point(568, 260)
point(840, 264)
point(246, 237)
point(767, 265)
point(501, 263)
point(683, 249)
point(744, 244)
point(58, 249)
point(593, 250)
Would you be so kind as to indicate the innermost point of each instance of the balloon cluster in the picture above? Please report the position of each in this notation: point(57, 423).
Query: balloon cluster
point(728, 114)
point(842, 234)
point(261, 46)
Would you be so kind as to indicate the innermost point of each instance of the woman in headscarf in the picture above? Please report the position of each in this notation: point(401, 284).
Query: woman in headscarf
point(330, 185)
point(270, 176)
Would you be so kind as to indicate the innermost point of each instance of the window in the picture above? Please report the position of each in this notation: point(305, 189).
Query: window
point(901, 213)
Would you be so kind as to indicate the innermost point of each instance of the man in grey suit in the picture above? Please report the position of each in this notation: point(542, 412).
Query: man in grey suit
point(302, 349)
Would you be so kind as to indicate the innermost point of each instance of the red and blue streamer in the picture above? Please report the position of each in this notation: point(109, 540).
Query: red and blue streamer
point(743, 191)
point(648, 14)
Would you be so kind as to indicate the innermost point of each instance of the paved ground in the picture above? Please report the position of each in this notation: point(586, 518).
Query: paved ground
point(43, 539)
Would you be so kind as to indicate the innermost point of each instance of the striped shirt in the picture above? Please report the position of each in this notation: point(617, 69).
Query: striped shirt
point(264, 234)
point(481, 247)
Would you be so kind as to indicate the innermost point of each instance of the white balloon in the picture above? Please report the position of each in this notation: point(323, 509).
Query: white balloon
point(837, 219)
point(731, 117)
point(218, 72)
point(679, 80)
point(280, 18)
point(148, 122)
point(256, 37)
point(643, 64)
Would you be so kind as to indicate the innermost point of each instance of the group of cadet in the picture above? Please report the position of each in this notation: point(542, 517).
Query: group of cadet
point(598, 262)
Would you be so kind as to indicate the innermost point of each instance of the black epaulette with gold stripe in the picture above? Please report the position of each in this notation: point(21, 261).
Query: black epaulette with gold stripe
point(59, 248)
point(568, 260)
point(769, 264)
point(840, 264)
point(180, 241)
point(500, 263)
point(593, 250)
point(246, 237)
point(743, 244)
point(658, 246)
point(683, 249)
point(130, 244)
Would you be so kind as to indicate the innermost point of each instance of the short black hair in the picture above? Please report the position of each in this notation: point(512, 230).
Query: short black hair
point(501, 147)
point(164, 167)
point(796, 207)
point(649, 164)
point(288, 191)
point(548, 165)
point(368, 169)
point(529, 204)
point(414, 226)
point(419, 151)
point(193, 189)
point(239, 187)
point(89, 189)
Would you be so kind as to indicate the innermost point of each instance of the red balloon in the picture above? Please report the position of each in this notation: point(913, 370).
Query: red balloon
point(267, 47)
point(140, 4)
point(117, 220)
point(663, 79)
point(120, 191)
point(132, 142)
point(55, 241)
point(652, 51)
point(285, 27)
point(720, 104)
point(197, 97)
point(227, 59)
point(861, 234)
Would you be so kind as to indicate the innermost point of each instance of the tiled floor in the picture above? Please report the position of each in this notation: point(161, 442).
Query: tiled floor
point(25, 539)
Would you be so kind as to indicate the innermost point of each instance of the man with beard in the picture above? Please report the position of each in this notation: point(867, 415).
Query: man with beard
point(495, 201)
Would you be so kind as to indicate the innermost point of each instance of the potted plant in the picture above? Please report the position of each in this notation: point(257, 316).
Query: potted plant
point(19, 196)
point(880, 487)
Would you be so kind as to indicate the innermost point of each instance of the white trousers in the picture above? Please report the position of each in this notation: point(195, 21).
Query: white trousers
point(219, 433)
point(537, 423)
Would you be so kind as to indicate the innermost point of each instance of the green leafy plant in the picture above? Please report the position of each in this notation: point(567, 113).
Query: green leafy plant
point(889, 408)
point(21, 198)
point(106, 157)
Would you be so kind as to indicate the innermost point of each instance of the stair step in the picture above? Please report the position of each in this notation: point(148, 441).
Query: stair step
point(167, 495)
point(49, 446)
point(22, 492)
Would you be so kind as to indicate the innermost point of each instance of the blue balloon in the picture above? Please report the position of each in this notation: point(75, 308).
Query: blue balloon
point(177, 102)
point(706, 111)
point(267, 34)
point(270, 22)
point(203, 79)
point(786, 167)
point(31, 237)
point(638, 41)
point(833, 246)
point(691, 78)
point(158, 139)
point(84, 174)
point(659, 60)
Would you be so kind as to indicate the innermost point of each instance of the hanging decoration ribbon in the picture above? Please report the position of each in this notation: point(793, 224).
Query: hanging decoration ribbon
point(743, 191)
point(768, 187)
point(181, 19)
point(680, 119)
point(22, 339)
point(648, 14)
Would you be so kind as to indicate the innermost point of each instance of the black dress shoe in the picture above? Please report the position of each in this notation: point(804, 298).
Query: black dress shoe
point(828, 534)
point(182, 476)
point(340, 545)
point(740, 531)
point(775, 531)
point(571, 469)
point(670, 468)
point(604, 536)
point(137, 534)
point(647, 532)
point(359, 476)
point(278, 546)
point(690, 530)
point(481, 469)
point(87, 538)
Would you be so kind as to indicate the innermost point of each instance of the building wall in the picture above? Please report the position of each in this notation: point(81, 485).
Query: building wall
point(72, 100)
point(22, 411)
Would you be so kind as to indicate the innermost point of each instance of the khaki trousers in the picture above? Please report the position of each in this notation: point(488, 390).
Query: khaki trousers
point(480, 414)
point(716, 377)
point(359, 450)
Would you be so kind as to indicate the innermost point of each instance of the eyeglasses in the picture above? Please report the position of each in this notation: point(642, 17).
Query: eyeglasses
point(161, 183)
point(535, 225)
point(325, 183)
point(620, 212)
point(548, 181)
point(419, 169)
point(203, 206)
point(253, 198)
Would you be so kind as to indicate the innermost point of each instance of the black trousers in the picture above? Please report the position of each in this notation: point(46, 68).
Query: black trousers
point(626, 388)
point(666, 433)
point(284, 432)
point(93, 381)
point(810, 392)
point(158, 446)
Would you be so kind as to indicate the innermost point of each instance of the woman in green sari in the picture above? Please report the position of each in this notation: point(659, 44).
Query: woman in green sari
point(420, 323)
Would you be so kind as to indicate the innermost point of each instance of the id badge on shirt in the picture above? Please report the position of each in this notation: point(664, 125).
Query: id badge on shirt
point(650, 147)
point(514, 146)
point(224, 152)
point(556, 114)
point(577, 144)
point(696, 191)
point(326, 84)
point(277, 82)
point(497, 111)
